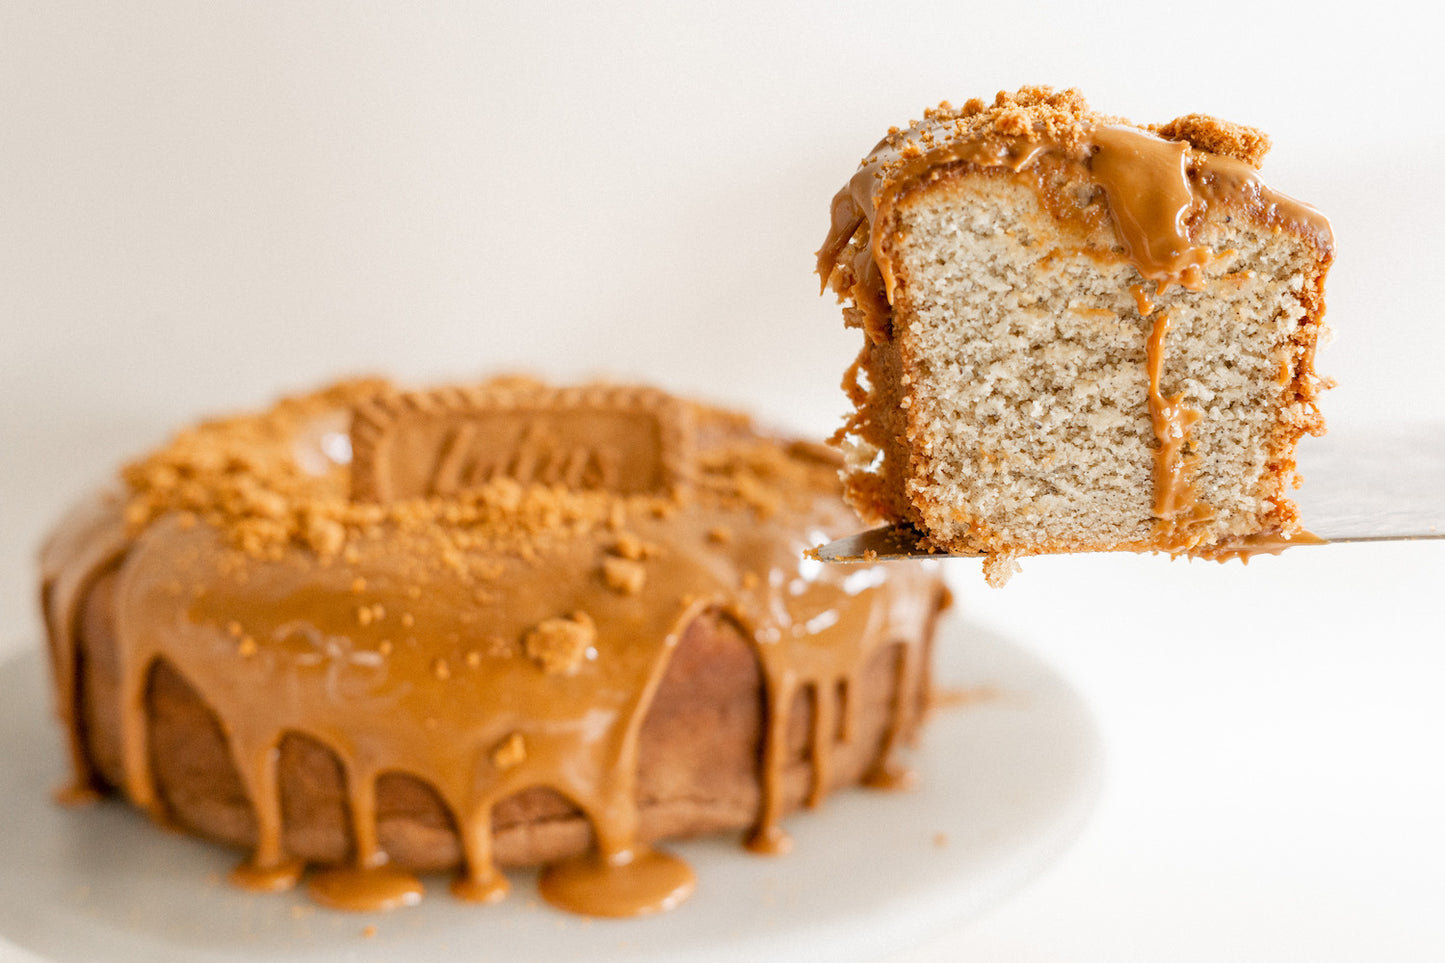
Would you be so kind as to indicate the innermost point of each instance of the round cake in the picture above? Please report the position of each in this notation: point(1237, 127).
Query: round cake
point(385, 632)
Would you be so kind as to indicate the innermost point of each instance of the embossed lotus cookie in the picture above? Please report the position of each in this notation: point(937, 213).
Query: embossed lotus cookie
point(1079, 334)
point(380, 632)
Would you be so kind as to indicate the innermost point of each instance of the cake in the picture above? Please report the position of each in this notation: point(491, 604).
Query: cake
point(1079, 334)
point(383, 632)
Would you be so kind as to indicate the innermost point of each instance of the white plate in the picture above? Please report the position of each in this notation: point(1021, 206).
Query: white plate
point(1006, 781)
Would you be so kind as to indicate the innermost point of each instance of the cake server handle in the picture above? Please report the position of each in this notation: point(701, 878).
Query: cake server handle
point(1361, 485)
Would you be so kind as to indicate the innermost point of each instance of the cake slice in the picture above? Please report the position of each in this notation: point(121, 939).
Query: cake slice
point(1079, 334)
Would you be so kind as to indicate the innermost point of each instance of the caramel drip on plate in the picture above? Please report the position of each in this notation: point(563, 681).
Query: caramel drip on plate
point(532, 668)
point(630, 883)
point(362, 889)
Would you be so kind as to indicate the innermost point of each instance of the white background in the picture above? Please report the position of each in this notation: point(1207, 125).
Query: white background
point(203, 205)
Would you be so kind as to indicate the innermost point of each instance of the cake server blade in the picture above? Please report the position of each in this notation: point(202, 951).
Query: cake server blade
point(1361, 485)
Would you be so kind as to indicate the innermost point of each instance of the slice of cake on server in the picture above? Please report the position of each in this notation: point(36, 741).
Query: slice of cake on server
point(1080, 334)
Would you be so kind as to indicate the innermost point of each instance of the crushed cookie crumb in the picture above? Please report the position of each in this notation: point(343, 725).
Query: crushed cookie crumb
point(561, 645)
point(1216, 136)
point(624, 575)
point(631, 547)
point(246, 647)
point(510, 752)
point(242, 477)
point(325, 536)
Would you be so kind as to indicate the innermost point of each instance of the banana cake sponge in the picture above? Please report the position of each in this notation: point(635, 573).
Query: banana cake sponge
point(1079, 334)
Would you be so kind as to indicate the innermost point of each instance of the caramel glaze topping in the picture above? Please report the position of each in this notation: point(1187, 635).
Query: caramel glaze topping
point(1159, 183)
point(1157, 186)
point(474, 639)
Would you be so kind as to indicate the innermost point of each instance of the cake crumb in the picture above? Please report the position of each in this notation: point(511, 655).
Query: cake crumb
point(510, 752)
point(561, 645)
point(999, 567)
point(368, 932)
point(631, 547)
point(1217, 136)
point(624, 575)
point(326, 536)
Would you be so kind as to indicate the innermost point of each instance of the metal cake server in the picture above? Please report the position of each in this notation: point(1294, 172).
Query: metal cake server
point(1360, 485)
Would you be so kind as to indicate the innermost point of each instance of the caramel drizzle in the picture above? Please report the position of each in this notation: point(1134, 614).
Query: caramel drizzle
point(1146, 181)
point(1154, 188)
point(1259, 543)
point(91, 543)
point(1176, 508)
point(812, 630)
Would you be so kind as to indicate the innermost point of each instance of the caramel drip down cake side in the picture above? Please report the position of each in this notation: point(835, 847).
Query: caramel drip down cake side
point(479, 593)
